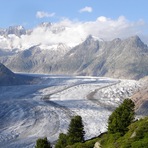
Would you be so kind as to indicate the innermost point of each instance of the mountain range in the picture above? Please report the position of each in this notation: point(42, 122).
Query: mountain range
point(48, 49)
point(119, 58)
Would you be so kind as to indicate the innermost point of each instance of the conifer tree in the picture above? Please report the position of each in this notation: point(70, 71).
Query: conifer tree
point(121, 118)
point(62, 141)
point(75, 130)
point(42, 143)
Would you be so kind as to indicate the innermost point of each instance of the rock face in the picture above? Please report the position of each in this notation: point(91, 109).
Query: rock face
point(141, 99)
point(124, 59)
point(118, 58)
point(7, 77)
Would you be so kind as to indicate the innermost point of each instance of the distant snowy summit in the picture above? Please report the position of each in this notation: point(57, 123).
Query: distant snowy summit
point(46, 34)
point(16, 30)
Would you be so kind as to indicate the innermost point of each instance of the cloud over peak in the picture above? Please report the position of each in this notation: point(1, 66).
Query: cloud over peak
point(86, 9)
point(42, 14)
point(72, 32)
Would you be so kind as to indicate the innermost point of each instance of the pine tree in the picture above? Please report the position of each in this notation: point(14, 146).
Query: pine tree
point(62, 141)
point(42, 143)
point(76, 130)
point(121, 118)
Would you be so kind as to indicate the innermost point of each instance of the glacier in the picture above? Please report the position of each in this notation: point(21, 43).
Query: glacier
point(29, 112)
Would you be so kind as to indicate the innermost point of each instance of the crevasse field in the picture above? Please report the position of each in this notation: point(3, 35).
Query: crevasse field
point(28, 112)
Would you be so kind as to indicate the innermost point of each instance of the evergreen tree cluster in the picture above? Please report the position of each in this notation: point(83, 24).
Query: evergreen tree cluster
point(75, 133)
point(118, 124)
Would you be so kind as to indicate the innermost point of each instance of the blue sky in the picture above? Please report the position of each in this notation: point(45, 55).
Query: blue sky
point(29, 13)
point(104, 19)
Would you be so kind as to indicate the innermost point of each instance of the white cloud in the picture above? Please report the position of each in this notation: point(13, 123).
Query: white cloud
point(86, 9)
point(74, 32)
point(42, 14)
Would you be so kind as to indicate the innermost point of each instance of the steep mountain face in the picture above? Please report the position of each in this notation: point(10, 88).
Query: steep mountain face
point(79, 58)
point(118, 58)
point(7, 77)
point(124, 59)
point(35, 59)
point(5, 71)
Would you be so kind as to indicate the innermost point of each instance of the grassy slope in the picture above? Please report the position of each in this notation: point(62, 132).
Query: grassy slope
point(136, 137)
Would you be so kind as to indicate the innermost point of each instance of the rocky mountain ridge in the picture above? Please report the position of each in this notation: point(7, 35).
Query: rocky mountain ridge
point(42, 51)
point(16, 30)
point(118, 58)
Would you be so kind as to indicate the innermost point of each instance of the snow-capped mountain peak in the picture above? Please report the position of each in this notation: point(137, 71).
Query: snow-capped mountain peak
point(17, 30)
point(97, 38)
point(45, 24)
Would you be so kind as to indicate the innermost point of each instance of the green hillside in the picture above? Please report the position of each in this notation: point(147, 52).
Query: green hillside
point(136, 137)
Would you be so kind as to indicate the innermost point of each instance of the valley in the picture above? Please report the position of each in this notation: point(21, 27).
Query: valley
point(65, 59)
point(45, 108)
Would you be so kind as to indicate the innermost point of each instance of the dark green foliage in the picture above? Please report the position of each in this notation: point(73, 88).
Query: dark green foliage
point(62, 141)
point(79, 145)
point(86, 144)
point(142, 131)
point(76, 130)
point(121, 118)
point(140, 144)
point(75, 133)
point(42, 143)
point(136, 137)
